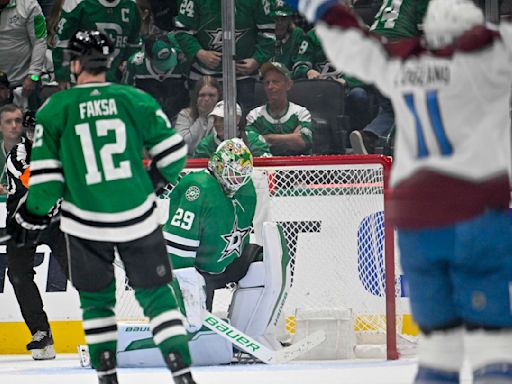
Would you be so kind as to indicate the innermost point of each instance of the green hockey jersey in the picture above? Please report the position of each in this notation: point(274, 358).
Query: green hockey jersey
point(206, 228)
point(261, 122)
point(288, 50)
point(400, 18)
point(199, 26)
point(88, 148)
point(118, 19)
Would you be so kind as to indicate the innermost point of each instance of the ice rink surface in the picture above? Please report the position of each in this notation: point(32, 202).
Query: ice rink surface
point(21, 369)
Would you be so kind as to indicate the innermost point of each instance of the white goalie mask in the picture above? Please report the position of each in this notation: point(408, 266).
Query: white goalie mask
point(231, 164)
point(446, 20)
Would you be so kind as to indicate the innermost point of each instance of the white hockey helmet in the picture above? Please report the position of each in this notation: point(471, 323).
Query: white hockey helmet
point(446, 20)
point(231, 164)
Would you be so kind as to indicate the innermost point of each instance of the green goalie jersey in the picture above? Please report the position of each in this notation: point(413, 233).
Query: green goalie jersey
point(199, 26)
point(88, 148)
point(206, 228)
point(118, 19)
point(400, 18)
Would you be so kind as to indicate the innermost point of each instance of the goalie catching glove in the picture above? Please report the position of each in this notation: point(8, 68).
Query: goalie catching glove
point(25, 228)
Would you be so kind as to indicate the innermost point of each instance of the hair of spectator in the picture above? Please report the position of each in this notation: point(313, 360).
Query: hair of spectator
point(9, 108)
point(201, 83)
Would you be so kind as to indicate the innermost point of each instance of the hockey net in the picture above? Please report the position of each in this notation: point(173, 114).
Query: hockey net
point(332, 210)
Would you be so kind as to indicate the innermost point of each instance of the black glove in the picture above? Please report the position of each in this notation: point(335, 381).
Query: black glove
point(158, 181)
point(25, 228)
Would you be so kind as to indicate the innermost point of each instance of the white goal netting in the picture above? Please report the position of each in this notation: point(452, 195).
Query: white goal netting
point(332, 211)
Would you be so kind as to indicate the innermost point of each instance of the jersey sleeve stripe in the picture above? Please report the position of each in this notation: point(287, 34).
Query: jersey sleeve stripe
point(46, 177)
point(181, 253)
point(172, 156)
point(164, 145)
point(181, 240)
point(37, 165)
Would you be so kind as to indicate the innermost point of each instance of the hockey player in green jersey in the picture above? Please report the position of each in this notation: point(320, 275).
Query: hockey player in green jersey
point(211, 217)
point(118, 19)
point(88, 149)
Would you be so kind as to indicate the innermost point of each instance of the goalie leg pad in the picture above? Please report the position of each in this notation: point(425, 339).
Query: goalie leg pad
point(257, 303)
point(193, 291)
point(490, 354)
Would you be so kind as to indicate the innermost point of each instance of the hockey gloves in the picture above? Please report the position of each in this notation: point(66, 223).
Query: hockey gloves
point(312, 9)
point(25, 228)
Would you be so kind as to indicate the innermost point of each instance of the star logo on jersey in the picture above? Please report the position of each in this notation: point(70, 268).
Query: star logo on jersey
point(216, 40)
point(234, 240)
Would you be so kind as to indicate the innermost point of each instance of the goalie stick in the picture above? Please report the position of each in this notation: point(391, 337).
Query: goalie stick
point(258, 350)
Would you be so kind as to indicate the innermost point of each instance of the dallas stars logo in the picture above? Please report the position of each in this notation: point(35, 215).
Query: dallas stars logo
point(216, 38)
point(234, 240)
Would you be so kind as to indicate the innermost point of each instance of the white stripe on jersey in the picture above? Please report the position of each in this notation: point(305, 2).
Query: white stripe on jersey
point(105, 217)
point(45, 177)
point(172, 157)
point(38, 165)
point(118, 234)
point(181, 253)
point(165, 145)
point(181, 240)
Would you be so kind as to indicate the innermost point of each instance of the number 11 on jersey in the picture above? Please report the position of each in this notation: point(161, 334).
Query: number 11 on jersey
point(436, 124)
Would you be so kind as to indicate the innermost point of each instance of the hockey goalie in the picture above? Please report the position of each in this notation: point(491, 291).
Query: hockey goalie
point(210, 220)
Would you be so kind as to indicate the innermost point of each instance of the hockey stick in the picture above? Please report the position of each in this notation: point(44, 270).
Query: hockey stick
point(258, 350)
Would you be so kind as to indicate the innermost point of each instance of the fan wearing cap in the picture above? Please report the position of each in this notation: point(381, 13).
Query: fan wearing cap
point(210, 142)
point(5, 91)
point(285, 126)
point(159, 68)
point(290, 39)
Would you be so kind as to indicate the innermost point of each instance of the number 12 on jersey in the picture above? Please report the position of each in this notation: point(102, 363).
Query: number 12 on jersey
point(435, 123)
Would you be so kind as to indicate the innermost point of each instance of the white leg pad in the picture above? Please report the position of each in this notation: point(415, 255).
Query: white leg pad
point(485, 347)
point(257, 303)
point(442, 350)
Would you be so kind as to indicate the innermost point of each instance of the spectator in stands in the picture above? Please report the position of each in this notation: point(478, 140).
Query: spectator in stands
point(22, 47)
point(120, 20)
point(289, 38)
point(192, 123)
point(159, 70)
point(393, 21)
point(208, 144)
point(11, 127)
point(211, 141)
point(199, 32)
point(5, 91)
point(285, 126)
point(313, 64)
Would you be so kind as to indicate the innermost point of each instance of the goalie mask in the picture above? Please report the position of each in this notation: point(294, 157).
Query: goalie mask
point(231, 164)
point(446, 20)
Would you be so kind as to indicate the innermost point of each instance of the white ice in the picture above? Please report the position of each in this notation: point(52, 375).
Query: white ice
point(21, 369)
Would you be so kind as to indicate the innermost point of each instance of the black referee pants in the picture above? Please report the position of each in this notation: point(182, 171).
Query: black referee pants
point(20, 264)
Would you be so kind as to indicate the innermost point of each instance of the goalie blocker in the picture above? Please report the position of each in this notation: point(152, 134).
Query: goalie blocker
point(255, 310)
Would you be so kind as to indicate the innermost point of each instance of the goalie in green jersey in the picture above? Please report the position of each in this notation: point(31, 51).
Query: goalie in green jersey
point(211, 216)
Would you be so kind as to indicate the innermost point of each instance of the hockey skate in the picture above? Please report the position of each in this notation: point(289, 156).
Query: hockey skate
point(41, 346)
